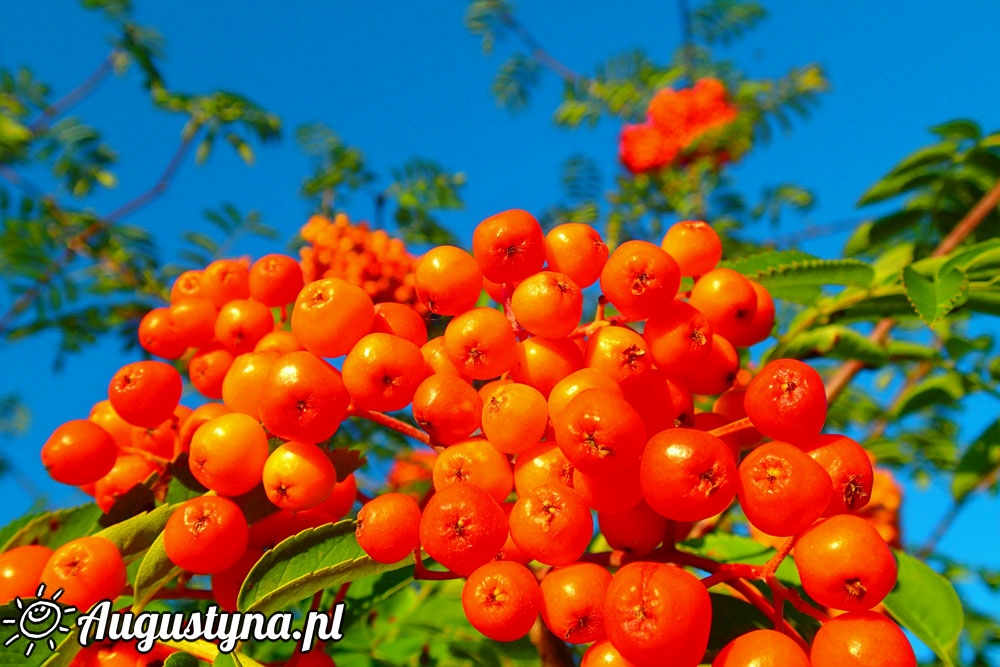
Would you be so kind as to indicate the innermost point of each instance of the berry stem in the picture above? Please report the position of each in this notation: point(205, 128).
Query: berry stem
point(796, 600)
point(391, 422)
point(508, 310)
point(552, 651)
point(341, 595)
point(752, 595)
point(421, 573)
point(152, 458)
point(732, 427)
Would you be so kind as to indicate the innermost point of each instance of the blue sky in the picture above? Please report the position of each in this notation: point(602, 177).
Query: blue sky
point(407, 80)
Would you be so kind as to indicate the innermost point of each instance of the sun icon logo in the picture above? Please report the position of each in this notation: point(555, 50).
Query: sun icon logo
point(39, 620)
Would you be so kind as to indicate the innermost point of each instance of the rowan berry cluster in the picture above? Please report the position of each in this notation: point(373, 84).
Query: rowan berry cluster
point(372, 260)
point(537, 424)
point(677, 119)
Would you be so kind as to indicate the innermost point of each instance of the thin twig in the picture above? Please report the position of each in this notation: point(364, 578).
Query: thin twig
point(76, 95)
point(918, 373)
point(552, 651)
point(945, 522)
point(537, 52)
point(76, 244)
point(392, 423)
point(162, 183)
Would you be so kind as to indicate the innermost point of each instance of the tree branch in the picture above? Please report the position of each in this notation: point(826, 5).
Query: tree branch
point(846, 373)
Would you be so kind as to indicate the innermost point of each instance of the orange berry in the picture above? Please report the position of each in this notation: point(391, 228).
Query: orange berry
point(79, 452)
point(275, 280)
point(145, 393)
point(640, 279)
point(448, 280)
point(761, 647)
point(509, 246)
point(694, 245)
point(543, 362)
point(501, 600)
point(573, 602)
point(382, 372)
point(447, 408)
point(576, 250)
point(208, 368)
point(388, 527)
point(298, 476)
point(514, 417)
point(245, 381)
point(241, 323)
point(861, 639)
point(619, 352)
point(480, 343)
point(475, 462)
point(548, 304)
point(400, 320)
point(728, 301)
point(331, 315)
point(225, 280)
point(304, 398)
point(679, 338)
point(228, 454)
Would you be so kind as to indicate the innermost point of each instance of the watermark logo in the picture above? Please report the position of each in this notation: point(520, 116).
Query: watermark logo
point(40, 620)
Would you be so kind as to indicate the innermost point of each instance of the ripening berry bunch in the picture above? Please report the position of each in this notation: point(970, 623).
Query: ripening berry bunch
point(372, 260)
point(543, 430)
point(676, 119)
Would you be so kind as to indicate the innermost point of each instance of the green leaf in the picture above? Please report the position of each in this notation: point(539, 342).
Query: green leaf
point(935, 296)
point(896, 306)
point(313, 560)
point(979, 460)
point(938, 390)
point(53, 529)
point(753, 265)
point(134, 535)
point(926, 604)
point(925, 156)
point(810, 273)
point(835, 342)
point(12, 528)
point(155, 571)
point(892, 186)
point(181, 659)
point(959, 129)
point(67, 645)
point(983, 299)
point(980, 261)
point(888, 226)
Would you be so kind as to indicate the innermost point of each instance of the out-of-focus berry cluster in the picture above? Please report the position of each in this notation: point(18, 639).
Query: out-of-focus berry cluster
point(372, 260)
point(677, 122)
